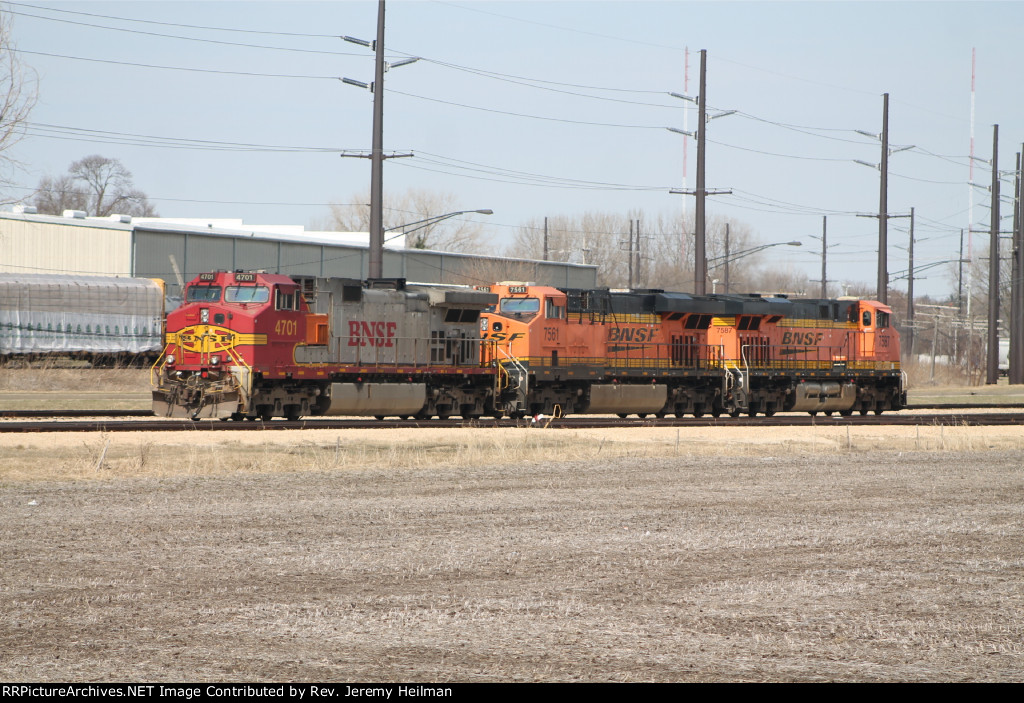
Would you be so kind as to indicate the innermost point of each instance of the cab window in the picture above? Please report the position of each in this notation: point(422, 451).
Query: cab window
point(287, 299)
point(866, 318)
point(882, 318)
point(202, 294)
point(246, 294)
point(552, 311)
point(519, 306)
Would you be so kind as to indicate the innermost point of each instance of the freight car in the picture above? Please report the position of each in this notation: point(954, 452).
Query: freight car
point(653, 352)
point(96, 318)
point(247, 345)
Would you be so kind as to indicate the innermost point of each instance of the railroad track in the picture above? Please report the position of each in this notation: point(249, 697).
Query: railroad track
point(50, 414)
point(583, 422)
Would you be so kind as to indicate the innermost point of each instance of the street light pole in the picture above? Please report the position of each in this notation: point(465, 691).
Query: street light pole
point(883, 208)
point(700, 264)
point(376, 269)
point(992, 363)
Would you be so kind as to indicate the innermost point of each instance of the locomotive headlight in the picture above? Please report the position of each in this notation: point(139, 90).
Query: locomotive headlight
point(170, 359)
point(204, 315)
point(215, 360)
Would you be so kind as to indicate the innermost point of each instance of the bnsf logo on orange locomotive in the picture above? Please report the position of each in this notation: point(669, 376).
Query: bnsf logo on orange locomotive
point(630, 334)
point(805, 338)
point(374, 334)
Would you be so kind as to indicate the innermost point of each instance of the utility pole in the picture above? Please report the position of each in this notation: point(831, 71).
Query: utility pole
point(992, 365)
point(910, 287)
point(824, 250)
point(545, 239)
point(376, 268)
point(630, 255)
point(376, 155)
point(883, 209)
point(1016, 284)
point(726, 291)
point(700, 262)
point(638, 256)
point(960, 276)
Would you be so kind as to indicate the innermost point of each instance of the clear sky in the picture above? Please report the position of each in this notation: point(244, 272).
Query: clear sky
point(543, 108)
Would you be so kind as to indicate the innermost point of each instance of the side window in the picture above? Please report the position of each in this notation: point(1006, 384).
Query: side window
point(866, 319)
point(552, 311)
point(287, 300)
point(883, 319)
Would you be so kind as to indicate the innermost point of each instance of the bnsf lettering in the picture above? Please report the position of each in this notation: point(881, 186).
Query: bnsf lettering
point(630, 334)
point(374, 334)
point(503, 336)
point(808, 339)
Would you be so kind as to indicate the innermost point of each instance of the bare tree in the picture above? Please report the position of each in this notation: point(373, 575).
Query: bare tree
point(455, 234)
point(96, 184)
point(17, 98)
point(662, 259)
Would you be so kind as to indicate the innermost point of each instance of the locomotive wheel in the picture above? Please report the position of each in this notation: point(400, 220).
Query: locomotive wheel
point(735, 413)
point(292, 413)
point(846, 413)
point(403, 417)
point(769, 412)
point(265, 413)
point(623, 416)
point(812, 413)
point(641, 415)
point(863, 409)
point(379, 417)
point(660, 415)
point(828, 413)
point(716, 412)
point(752, 413)
point(237, 417)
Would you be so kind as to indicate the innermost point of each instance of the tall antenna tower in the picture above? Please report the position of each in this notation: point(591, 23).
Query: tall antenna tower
point(970, 179)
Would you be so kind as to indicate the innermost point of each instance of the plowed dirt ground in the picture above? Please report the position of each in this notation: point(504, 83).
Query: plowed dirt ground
point(514, 555)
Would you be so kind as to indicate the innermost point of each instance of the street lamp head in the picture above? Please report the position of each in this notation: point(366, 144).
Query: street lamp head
point(722, 114)
point(358, 84)
point(683, 97)
point(872, 135)
point(403, 62)
point(865, 163)
point(680, 131)
point(795, 244)
point(360, 42)
point(484, 212)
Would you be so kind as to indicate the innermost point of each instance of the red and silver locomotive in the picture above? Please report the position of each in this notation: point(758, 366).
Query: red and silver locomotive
point(266, 345)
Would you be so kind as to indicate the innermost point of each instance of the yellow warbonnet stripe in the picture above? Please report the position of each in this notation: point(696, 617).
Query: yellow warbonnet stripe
point(209, 338)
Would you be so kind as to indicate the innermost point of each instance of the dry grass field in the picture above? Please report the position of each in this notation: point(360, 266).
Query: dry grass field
point(707, 554)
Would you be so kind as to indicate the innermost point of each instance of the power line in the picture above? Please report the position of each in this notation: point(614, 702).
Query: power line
point(175, 24)
point(176, 68)
point(183, 38)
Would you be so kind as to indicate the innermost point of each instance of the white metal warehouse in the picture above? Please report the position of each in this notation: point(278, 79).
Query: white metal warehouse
point(179, 250)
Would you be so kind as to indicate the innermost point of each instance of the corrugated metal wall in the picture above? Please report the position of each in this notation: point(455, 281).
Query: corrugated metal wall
point(195, 253)
point(44, 247)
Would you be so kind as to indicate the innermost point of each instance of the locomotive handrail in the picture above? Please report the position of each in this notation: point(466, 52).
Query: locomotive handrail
point(153, 368)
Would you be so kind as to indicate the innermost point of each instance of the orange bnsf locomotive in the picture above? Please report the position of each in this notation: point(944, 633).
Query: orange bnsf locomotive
point(652, 352)
point(248, 345)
